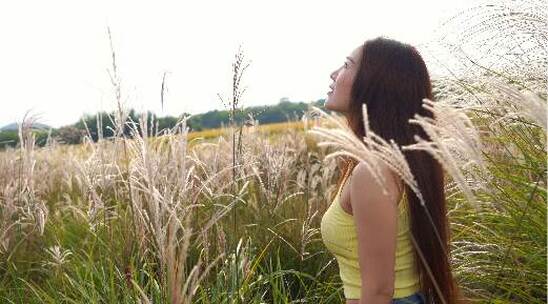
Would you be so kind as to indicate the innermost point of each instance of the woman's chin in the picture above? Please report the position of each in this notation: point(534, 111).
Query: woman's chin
point(327, 104)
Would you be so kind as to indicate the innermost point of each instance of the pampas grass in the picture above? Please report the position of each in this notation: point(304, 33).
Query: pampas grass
point(455, 143)
point(180, 244)
point(162, 218)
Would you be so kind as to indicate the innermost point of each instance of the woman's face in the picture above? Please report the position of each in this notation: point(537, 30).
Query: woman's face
point(338, 99)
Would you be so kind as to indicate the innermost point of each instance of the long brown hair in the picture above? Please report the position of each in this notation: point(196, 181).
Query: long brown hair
point(392, 80)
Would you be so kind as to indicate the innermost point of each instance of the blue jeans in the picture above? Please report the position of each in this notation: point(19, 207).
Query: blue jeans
point(416, 298)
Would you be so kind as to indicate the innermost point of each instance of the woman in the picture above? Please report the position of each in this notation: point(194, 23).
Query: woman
point(376, 237)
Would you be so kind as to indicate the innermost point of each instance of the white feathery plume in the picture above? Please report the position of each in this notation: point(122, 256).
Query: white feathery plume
point(392, 156)
point(346, 144)
point(370, 151)
point(455, 143)
point(528, 104)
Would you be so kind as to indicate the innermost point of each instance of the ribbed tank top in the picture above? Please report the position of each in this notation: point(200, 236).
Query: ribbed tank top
point(338, 232)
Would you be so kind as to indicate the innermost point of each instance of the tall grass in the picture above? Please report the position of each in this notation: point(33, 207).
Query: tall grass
point(162, 218)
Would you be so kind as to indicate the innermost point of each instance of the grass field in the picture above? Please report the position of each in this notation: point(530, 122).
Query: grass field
point(208, 217)
point(158, 222)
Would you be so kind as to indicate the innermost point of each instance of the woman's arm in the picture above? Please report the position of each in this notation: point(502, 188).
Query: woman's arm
point(375, 215)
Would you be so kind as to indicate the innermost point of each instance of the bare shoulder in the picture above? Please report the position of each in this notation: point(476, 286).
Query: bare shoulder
point(363, 183)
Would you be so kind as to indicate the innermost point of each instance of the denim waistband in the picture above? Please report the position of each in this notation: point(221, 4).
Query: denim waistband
point(416, 298)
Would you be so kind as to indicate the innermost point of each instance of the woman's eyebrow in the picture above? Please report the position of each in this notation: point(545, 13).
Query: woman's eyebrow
point(351, 60)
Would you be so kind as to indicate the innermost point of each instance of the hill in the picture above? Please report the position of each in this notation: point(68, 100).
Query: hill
point(13, 126)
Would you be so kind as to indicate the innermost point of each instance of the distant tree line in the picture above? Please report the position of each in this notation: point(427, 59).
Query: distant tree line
point(88, 123)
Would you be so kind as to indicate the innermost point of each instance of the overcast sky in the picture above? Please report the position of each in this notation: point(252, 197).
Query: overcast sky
point(54, 55)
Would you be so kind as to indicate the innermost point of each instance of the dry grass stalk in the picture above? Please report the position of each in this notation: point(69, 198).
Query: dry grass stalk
point(166, 200)
point(526, 104)
point(455, 143)
point(370, 151)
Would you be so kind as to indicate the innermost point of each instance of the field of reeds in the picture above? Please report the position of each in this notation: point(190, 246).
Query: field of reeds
point(234, 217)
point(272, 128)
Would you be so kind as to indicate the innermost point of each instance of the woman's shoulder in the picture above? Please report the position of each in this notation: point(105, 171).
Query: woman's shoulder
point(365, 176)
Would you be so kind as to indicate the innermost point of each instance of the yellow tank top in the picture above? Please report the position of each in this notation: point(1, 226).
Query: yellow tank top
point(339, 236)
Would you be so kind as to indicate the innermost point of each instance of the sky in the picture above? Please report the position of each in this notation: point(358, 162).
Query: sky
point(54, 55)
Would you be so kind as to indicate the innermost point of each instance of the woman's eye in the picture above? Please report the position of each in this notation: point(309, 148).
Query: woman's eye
point(346, 64)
